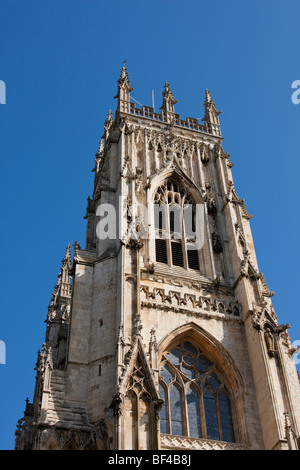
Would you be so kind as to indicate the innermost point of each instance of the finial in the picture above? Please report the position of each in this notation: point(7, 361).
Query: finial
point(208, 97)
point(123, 82)
point(66, 262)
point(124, 89)
point(211, 115)
point(124, 74)
point(209, 102)
point(68, 252)
point(76, 248)
point(168, 95)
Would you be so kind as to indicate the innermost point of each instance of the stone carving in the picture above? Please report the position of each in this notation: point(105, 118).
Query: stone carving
point(153, 350)
point(136, 231)
point(116, 404)
point(50, 438)
point(210, 201)
point(137, 326)
point(168, 441)
point(270, 343)
point(216, 242)
point(256, 317)
point(282, 328)
point(232, 196)
point(245, 213)
point(204, 155)
point(189, 304)
point(265, 290)
point(263, 314)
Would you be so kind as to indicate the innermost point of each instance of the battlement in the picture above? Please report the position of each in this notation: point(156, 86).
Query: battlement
point(169, 118)
point(148, 112)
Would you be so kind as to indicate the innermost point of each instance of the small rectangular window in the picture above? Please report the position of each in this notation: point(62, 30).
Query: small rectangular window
point(99, 372)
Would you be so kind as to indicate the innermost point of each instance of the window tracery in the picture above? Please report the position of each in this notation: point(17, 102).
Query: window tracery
point(175, 226)
point(196, 400)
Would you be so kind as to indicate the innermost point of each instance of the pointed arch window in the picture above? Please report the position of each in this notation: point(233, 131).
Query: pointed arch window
point(196, 400)
point(175, 226)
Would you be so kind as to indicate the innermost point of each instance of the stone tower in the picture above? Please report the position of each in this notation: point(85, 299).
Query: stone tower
point(161, 333)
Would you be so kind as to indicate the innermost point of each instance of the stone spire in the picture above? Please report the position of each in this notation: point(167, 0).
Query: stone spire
point(124, 89)
point(168, 100)
point(211, 117)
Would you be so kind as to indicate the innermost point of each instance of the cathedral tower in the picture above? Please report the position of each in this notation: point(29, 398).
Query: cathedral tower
point(161, 333)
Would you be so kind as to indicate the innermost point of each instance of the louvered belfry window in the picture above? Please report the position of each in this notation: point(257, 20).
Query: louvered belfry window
point(174, 215)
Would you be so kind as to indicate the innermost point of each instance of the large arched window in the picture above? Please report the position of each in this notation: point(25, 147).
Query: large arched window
point(175, 226)
point(196, 400)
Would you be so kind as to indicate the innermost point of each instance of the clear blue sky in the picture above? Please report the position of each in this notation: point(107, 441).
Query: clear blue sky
point(60, 61)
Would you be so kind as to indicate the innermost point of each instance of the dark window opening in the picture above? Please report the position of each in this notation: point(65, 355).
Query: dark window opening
point(193, 259)
point(177, 255)
point(161, 251)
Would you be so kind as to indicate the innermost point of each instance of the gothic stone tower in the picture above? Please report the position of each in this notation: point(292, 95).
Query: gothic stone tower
point(161, 342)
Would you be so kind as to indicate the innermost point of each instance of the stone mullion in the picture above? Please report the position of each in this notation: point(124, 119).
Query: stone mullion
point(169, 410)
point(137, 422)
point(219, 418)
point(186, 426)
point(202, 416)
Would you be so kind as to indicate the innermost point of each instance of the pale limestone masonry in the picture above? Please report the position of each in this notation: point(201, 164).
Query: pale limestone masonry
point(122, 304)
